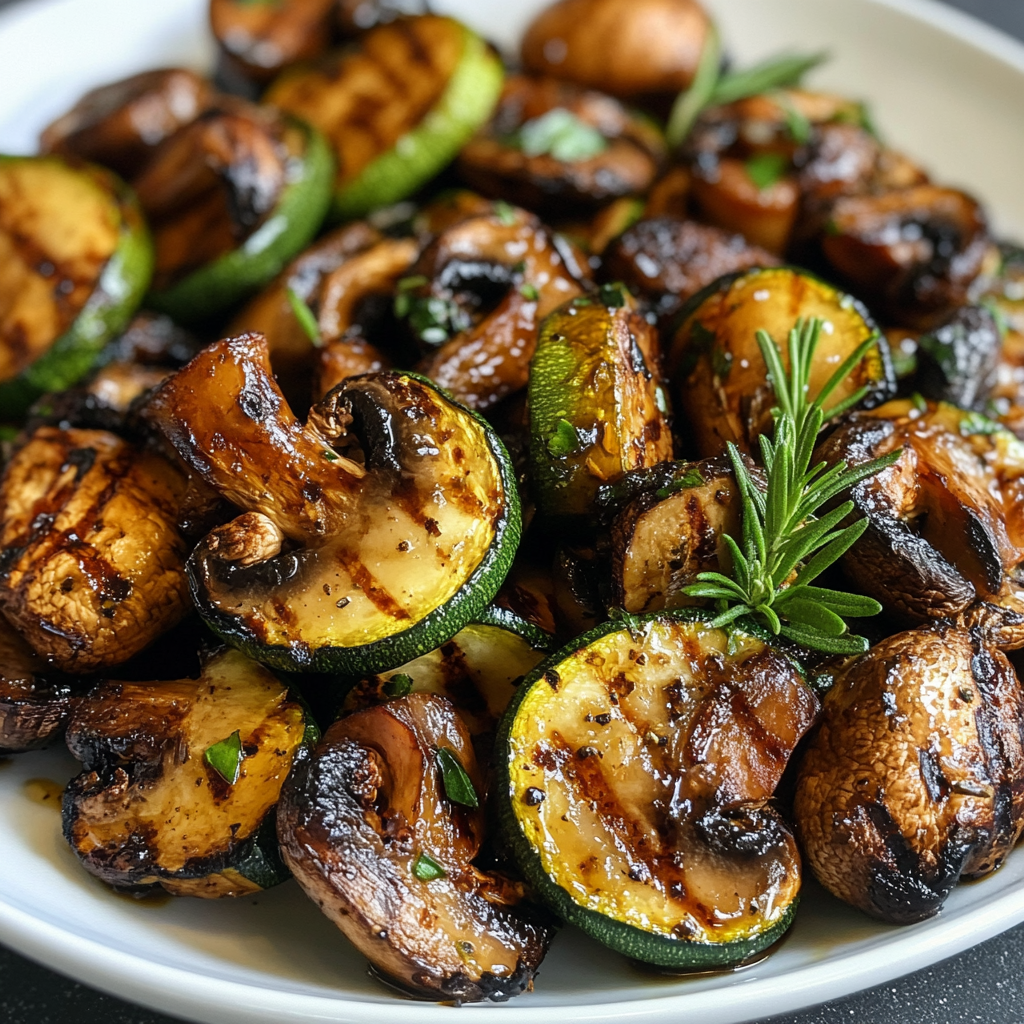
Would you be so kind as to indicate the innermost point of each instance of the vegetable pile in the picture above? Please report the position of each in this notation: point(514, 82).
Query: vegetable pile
point(453, 486)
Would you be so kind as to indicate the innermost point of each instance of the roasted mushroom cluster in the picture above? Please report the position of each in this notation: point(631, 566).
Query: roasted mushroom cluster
point(458, 487)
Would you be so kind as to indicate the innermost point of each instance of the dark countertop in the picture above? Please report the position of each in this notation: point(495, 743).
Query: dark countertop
point(985, 985)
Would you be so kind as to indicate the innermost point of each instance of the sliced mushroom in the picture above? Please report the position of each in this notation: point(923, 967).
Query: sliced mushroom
point(92, 564)
point(181, 779)
point(209, 187)
point(913, 779)
point(624, 47)
point(484, 354)
point(121, 124)
point(666, 260)
point(945, 535)
point(958, 361)
point(912, 254)
point(35, 701)
point(378, 840)
point(370, 535)
point(551, 145)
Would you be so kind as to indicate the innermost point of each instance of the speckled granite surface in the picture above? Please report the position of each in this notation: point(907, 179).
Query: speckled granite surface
point(985, 985)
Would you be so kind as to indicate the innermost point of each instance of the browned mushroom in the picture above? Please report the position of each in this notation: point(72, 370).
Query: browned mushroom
point(121, 124)
point(35, 702)
point(484, 354)
point(915, 777)
point(945, 535)
point(551, 144)
point(665, 261)
point(378, 835)
point(92, 564)
point(912, 254)
point(624, 47)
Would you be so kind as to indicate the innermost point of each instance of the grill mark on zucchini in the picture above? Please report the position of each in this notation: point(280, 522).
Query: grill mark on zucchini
point(370, 586)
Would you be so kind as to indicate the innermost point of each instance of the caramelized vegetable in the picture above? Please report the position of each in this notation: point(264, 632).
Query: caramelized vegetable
point(597, 405)
point(259, 39)
point(488, 356)
point(396, 108)
point(944, 535)
point(91, 558)
point(120, 125)
point(550, 144)
point(664, 261)
point(637, 769)
point(719, 376)
point(369, 536)
point(624, 47)
point(181, 779)
point(35, 701)
point(913, 780)
point(912, 254)
point(958, 362)
point(372, 830)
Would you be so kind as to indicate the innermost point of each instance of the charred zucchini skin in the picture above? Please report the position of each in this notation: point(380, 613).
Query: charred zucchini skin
point(647, 947)
point(118, 293)
point(436, 628)
point(219, 285)
point(467, 102)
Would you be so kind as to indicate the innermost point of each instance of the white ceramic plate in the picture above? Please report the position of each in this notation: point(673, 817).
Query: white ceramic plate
point(948, 90)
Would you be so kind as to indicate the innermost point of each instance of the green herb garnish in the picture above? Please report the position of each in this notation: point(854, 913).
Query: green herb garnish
point(305, 316)
point(426, 869)
point(782, 534)
point(797, 123)
point(529, 292)
point(561, 134)
point(399, 685)
point(225, 758)
point(564, 440)
point(766, 169)
point(505, 212)
point(710, 87)
point(8, 433)
point(972, 423)
point(458, 786)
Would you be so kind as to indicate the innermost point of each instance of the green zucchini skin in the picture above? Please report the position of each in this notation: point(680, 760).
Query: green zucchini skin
point(225, 282)
point(676, 954)
point(107, 312)
point(429, 633)
point(466, 103)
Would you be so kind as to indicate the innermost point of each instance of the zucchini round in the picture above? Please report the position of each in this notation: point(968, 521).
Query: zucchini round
point(635, 769)
point(182, 779)
point(76, 260)
point(279, 235)
point(429, 81)
point(371, 535)
point(718, 374)
point(597, 405)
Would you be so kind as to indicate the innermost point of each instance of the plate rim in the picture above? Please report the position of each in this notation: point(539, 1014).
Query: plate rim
point(213, 1000)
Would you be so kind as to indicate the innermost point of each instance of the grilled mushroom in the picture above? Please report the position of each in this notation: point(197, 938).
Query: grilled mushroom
point(958, 362)
point(914, 777)
point(912, 253)
point(35, 702)
point(181, 779)
point(944, 536)
point(121, 124)
point(624, 47)
point(551, 145)
point(371, 535)
point(381, 838)
point(484, 353)
point(665, 261)
point(92, 564)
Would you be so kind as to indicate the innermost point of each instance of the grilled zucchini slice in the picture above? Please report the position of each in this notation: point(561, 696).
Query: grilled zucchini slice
point(635, 773)
point(75, 261)
point(718, 375)
point(397, 109)
point(597, 405)
point(371, 535)
point(182, 778)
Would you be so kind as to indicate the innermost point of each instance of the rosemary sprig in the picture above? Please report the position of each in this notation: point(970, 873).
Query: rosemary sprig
point(785, 544)
point(711, 86)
